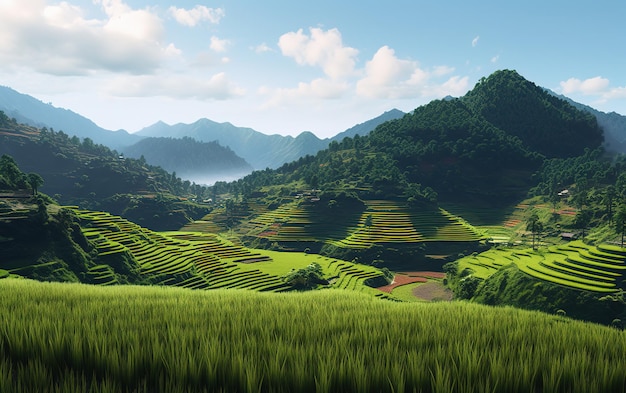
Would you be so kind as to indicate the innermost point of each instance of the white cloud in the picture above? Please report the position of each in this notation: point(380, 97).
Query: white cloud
point(475, 41)
point(59, 39)
point(219, 45)
point(455, 86)
point(217, 87)
point(196, 15)
point(597, 87)
point(388, 77)
point(591, 86)
point(262, 48)
point(495, 59)
point(320, 89)
point(320, 48)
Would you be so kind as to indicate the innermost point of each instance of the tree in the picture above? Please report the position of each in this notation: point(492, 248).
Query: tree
point(308, 278)
point(582, 220)
point(35, 181)
point(534, 226)
point(609, 196)
point(620, 221)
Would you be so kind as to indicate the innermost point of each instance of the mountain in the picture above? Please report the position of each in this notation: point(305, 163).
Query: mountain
point(29, 110)
point(366, 127)
point(613, 124)
point(482, 147)
point(200, 162)
point(260, 150)
point(92, 176)
point(543, 122)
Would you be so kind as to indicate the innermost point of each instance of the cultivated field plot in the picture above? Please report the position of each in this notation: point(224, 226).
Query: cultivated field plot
point(393, 222)
point(576, 265)
point(208, 261)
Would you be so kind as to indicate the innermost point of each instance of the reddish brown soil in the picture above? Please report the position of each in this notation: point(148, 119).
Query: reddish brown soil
point(410, 278)
point(401, 279)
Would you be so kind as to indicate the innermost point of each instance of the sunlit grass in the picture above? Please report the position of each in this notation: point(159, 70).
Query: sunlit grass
point(71, 337)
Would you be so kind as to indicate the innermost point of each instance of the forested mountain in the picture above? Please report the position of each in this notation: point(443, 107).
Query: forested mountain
point(28, 110)
point(190, 159)
point(261, 150)
point(613, 124)
point(543, 122)
point(484, 146)
point(81, 172)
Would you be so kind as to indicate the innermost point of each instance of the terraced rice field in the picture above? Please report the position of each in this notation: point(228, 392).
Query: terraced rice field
point(576, 265)
point(205, 260)
point(300, 222)
point(393, 222)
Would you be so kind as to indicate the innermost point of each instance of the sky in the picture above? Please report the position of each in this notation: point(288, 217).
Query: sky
point(283, 67)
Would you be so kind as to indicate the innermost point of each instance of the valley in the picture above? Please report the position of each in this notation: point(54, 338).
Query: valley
point(465, 235)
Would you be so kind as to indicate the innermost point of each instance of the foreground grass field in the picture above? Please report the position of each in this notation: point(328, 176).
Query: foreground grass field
point(79, 338)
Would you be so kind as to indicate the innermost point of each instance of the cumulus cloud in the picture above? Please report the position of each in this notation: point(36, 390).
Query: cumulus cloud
point(60, 39)
point(320, 48)
point(389, 77)
point(591, 86)
point(219, 45)
point(475, 41)
point(196, 15)
point(597, 87)
point(217, 87)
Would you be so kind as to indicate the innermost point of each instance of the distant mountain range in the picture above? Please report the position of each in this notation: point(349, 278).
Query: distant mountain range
point(199, 162)
point(257, 149)
point(261, 150)
point(29, 110)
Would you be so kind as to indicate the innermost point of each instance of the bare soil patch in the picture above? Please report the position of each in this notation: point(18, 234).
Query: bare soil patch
point(401, 279)
point(410, 278)
point(432, 291)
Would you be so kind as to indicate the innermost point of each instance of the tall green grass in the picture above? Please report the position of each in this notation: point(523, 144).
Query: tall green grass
point(71, 337)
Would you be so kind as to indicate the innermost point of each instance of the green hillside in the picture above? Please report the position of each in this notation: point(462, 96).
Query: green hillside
point(455, 185)
point(80, 172)
point(189, 158)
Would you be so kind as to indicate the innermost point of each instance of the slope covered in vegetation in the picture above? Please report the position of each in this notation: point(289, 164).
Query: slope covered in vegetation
point(188, 158)
point(68, 337)
point(80, 172)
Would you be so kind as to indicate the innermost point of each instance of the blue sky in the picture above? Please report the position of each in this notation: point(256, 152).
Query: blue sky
point(286, 67)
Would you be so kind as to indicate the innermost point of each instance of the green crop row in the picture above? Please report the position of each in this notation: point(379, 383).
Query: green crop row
point(575, 265)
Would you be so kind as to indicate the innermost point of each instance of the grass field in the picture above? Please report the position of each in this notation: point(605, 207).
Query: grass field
point(81, 338)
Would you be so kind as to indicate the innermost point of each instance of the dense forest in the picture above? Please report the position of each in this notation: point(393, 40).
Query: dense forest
point(451, 150)
point(81, 172)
